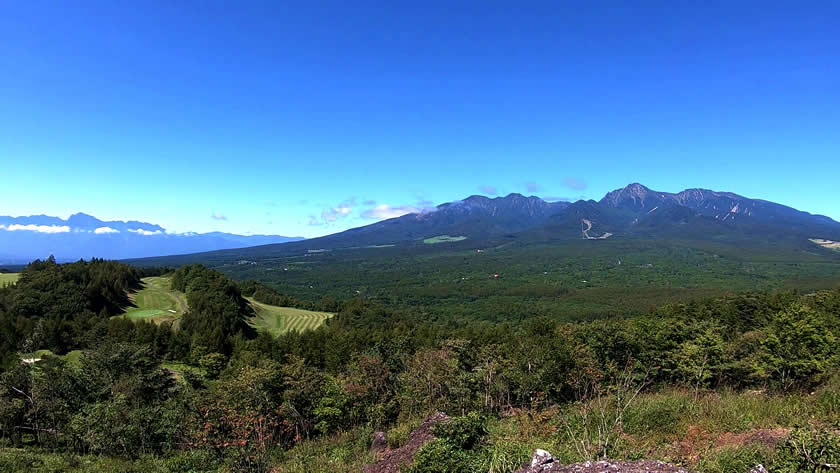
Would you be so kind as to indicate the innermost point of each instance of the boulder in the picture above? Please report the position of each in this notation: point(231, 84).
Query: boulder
point(379, 444)
point(540, 458)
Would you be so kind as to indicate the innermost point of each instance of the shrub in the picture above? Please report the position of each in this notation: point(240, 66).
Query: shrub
point(465, 432)
point(454, 451)
point(192, 461)
point(212, 364)
point(441, 456)
point(808, 450)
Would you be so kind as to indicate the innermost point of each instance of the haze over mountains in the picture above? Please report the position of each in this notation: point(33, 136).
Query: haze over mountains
point(23, 239)
point(632, 212)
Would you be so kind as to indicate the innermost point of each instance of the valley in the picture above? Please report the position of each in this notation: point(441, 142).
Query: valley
point(569, 279)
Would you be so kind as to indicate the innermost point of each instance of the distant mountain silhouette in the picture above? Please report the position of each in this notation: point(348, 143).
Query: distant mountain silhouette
point(23, 239)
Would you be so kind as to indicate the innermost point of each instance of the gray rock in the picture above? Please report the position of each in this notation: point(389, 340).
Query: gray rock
point(379, 444)
point(543, 462)
point(540, 458)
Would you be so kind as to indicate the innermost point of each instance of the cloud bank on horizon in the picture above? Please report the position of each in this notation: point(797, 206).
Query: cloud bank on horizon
point(36, 228)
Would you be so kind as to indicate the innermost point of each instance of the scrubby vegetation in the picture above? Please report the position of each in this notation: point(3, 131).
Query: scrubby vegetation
point(714, 383)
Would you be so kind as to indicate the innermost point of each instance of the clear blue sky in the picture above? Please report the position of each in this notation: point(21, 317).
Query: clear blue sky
point(296, 117)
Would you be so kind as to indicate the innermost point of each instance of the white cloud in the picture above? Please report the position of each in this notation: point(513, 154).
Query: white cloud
point(36, 228)
point(218, 216)
point(335, 213)
point(103, 230)
point(386, 211)
point(146, 232)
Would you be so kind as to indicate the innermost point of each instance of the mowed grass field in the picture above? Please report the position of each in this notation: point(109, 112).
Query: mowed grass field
point(8, 278)
point(157, 301)
point(279, 320)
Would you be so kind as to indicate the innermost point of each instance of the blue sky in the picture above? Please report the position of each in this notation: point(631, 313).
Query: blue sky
point(305, 118)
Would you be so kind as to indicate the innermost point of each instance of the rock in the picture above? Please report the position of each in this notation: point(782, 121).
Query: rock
point(394, 460)
point(759, 469)
point(543, 462)
point(541, 457)
point(379, 444)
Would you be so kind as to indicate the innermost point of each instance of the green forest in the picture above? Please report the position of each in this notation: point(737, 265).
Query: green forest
point(685, 381)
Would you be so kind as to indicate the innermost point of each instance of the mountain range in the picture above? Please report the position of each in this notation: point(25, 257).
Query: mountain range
point(23, 239)
point(634, 211)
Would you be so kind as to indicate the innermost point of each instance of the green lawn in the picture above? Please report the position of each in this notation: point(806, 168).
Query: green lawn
point(278, 320)
point(8, 278)
point(443, 239)
point(157, 301)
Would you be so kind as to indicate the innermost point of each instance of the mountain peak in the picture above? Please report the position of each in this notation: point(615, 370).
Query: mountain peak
point(84, 220)
point(632, 195)
point(636, 187)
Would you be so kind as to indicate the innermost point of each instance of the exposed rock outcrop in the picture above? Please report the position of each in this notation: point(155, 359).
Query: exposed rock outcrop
point(393, 460)
point(549, 465)
point(543, 462)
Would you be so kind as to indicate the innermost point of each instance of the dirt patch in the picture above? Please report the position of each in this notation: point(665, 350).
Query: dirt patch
point(766, 437)
point(698, 441)
point(393, 460)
